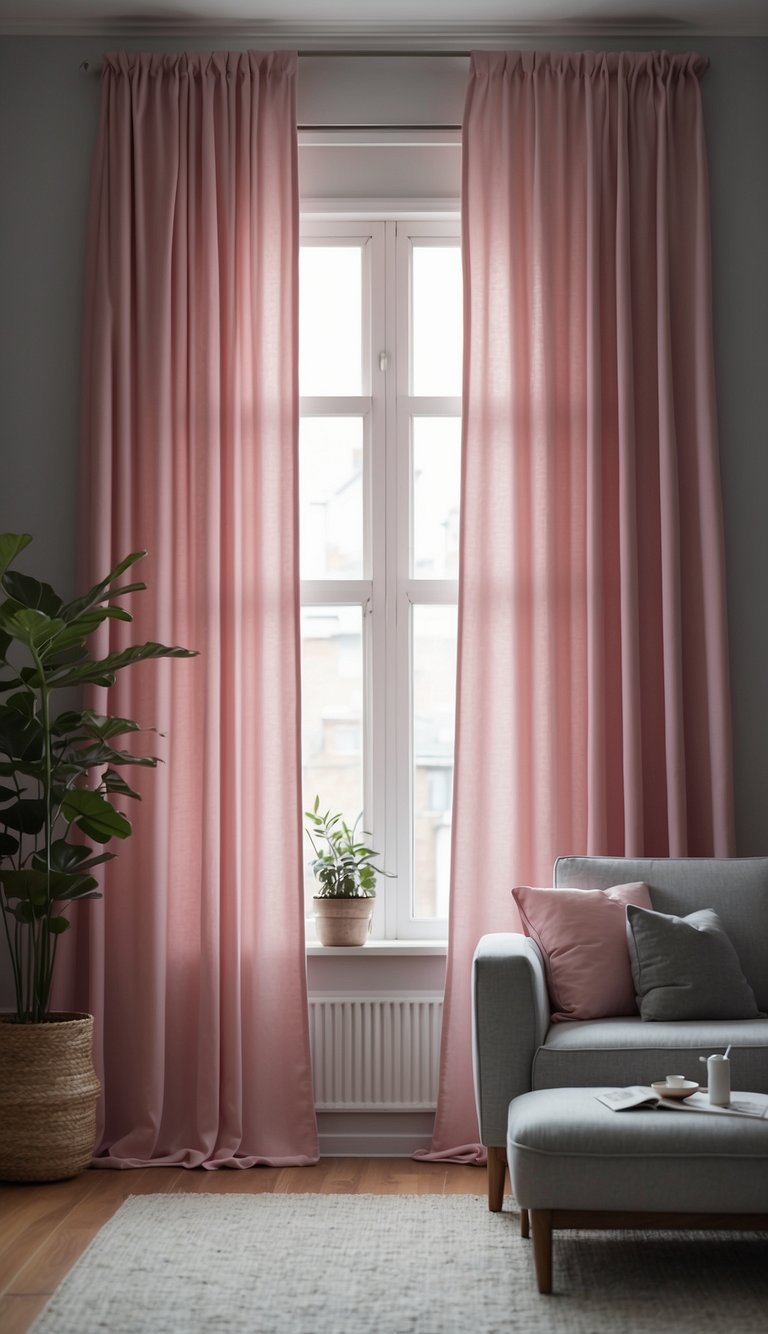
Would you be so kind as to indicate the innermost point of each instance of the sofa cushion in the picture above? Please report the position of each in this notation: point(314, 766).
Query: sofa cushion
point(736, 888)
point(686, 967)
point(582, 938)
point(627, 1051)
point(567, 1151)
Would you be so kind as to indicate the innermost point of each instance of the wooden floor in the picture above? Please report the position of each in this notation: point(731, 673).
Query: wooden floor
point(45, 1228)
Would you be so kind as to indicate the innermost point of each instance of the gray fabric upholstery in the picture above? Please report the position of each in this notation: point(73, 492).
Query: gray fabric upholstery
point(513, 1049)
point(567, 1151)
point(628, 1051)
point(510, 1017)
point(686, 967)
point(737, 889)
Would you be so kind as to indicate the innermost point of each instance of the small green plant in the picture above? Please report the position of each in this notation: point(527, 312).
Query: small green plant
point(343, 869)
point(57, 769)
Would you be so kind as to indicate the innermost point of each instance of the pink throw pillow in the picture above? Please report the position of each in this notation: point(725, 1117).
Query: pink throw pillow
point(582, 936)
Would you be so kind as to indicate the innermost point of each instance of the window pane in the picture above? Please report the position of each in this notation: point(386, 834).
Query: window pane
point(330, 319)
point(434, 694)
point(331, 497)
point(437, 319)
point(436, 486)
point(332, 714)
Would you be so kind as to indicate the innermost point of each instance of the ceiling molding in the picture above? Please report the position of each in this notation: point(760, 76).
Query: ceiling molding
point(406, 37)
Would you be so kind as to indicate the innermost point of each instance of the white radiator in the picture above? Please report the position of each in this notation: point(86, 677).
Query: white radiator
point(375, 1054)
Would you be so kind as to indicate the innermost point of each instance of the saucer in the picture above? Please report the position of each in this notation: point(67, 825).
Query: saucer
point(664, 1090)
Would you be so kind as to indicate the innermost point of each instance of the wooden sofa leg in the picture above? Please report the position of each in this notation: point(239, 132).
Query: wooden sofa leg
point(497, 1172)
point(525, 1230)
point(541, 1227)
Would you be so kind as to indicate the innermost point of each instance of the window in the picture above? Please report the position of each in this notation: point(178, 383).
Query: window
point(380, 383)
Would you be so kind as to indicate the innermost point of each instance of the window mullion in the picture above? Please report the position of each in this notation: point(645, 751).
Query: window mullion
point(401, 559)
point(384, 369)
point(377, 732)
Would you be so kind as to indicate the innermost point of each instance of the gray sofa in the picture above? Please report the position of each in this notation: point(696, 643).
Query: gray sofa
point(517, 1049)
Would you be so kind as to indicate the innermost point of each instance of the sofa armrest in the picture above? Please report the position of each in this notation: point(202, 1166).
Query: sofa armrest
point(510, 1017)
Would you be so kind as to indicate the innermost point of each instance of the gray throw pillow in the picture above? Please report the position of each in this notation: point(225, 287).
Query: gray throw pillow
point(686, 967)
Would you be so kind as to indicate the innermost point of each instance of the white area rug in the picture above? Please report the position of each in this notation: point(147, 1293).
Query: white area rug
point(369, 1264)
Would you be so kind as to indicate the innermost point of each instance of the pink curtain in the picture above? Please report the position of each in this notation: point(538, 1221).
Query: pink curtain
point(194, 962)
point(593, 693)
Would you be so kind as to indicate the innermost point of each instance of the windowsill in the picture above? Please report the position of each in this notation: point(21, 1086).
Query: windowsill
point(382, 948)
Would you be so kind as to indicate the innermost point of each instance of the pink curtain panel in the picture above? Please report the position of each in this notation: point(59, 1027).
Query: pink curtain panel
point(593, 694)
point(194, 963)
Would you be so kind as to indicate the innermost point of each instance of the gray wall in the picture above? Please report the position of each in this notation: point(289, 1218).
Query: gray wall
point(48, 113)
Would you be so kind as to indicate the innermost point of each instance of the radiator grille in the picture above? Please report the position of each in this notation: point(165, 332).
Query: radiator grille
point(375, 1054)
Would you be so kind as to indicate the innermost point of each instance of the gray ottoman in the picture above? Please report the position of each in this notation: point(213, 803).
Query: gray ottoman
point(574, 1163)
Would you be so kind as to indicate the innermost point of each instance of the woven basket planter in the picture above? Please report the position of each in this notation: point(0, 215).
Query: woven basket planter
point(48, 1094)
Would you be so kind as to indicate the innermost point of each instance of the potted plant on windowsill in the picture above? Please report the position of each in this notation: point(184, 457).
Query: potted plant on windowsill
point(344, 903)
point(58, 770)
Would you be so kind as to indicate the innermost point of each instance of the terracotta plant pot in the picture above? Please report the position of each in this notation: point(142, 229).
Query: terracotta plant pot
point(343, 921)
point(48, 1094)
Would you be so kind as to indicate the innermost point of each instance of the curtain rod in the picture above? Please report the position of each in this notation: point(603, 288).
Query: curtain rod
point(93, 67)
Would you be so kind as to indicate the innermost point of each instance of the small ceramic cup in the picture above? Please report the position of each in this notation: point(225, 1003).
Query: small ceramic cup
point(676, 1081)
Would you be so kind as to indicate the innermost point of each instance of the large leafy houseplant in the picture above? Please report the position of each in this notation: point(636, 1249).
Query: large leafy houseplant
point(58, 769)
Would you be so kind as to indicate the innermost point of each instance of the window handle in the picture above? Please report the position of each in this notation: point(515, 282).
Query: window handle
point(383, 361)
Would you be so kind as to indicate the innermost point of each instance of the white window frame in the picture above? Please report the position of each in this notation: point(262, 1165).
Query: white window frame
point(387, 592)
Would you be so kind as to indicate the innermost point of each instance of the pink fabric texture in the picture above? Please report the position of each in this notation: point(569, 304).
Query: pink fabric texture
point(593, 711)
point(194, 962)
point(582, 935)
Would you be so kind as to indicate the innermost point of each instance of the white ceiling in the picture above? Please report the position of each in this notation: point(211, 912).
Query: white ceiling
point(386, 16)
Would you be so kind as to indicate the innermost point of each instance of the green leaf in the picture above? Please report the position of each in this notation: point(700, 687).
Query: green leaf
point(100, 725)
point(26, 815)
point(56, 925)
point(10, 546)
point(86, 676)
point(31, 593)
point(13, 768)
point(100, 591)
point(68, 721)
point(114, 782)
point(97, 861)
point(81, 887)
point(74, 633)
point(87, 757)
point(22, 702)
point(91, 813)
point(25, 912)
point(39, 889)
point(114, 662)
point(31, 886)
point(64, 856)
point(54, 659)
point(20, 738)
point(71, 858)
point(75, 886)
point(29, 626)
